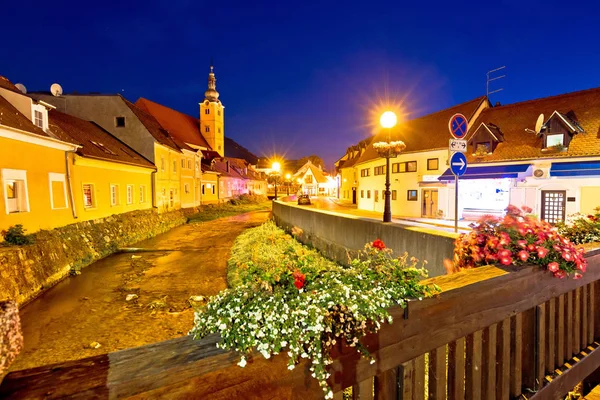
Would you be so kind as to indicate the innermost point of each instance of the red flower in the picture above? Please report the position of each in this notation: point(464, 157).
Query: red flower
point(506, 260)
point(298, 284)
point(577, 275)
point(504, 253)
point(567, 256)
point(553, 267)
point(531, 247)
point(523, 255)
point(522, 243)
point(378, 244)
point(560, 274)
point(542, 252)
point(299, 279)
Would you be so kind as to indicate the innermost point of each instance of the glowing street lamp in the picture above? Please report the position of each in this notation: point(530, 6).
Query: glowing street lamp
point(276, 167)
point(388, 150)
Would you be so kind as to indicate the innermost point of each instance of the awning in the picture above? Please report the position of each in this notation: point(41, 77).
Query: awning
point(587, 168)
point(488, 172)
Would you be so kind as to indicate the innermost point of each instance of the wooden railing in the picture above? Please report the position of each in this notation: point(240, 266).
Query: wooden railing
point(491, 334)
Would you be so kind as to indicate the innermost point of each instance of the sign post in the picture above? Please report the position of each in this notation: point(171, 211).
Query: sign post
point(458, 127)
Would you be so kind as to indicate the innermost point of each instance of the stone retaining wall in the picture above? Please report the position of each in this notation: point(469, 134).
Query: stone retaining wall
point(339, 236)
point(26, 271)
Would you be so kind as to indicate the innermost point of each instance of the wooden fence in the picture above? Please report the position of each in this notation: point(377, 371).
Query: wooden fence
point(492, 334)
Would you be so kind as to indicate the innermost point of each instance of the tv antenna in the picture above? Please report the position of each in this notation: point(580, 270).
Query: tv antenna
point(493, 78)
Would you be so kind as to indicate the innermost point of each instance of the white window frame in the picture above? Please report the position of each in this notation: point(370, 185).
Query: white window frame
point(93, 191)
point(142, 193)
point(554, 137)
point(114, 201)
point(57, 177)
point(44, 112)
point(129, 194)
point(17, 175)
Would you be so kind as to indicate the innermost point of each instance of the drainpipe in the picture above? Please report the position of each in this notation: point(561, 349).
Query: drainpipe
point(69, 181)
point(153, 188)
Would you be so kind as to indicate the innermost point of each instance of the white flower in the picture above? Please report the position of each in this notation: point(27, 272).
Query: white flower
point(242, 362)
point(291, 367)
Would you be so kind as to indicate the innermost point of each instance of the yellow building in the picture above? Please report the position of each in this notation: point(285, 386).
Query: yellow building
point(33, 193)
point(108, 177)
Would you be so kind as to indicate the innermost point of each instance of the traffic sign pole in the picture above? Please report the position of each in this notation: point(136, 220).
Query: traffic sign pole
point(455, 203)
point(458, 127)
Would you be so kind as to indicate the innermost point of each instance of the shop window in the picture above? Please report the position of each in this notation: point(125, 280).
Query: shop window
point(89, 196)
point(114, 195)
point(411, 195)
point(394, 194)
point(16, 196)
point(58, 191)
point(433, 164)
point(129, 194)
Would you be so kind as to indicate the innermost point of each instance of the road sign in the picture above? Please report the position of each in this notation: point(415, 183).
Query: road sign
point(458, 164)
point(458, 145)
point(458, 126)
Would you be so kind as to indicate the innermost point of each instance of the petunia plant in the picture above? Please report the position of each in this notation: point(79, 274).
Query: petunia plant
point(581, 228)
point(305, 311)
point(517, 239)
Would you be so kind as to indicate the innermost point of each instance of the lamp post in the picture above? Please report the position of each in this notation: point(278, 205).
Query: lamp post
point(388, 150)
point(275, 170)
point(287, 183)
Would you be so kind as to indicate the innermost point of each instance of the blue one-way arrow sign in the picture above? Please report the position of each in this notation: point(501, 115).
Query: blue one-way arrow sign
point(458, 164)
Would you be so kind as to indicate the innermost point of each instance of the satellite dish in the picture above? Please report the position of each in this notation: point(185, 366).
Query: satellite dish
point(539, 123)
point(21, 88)
point(56, 89)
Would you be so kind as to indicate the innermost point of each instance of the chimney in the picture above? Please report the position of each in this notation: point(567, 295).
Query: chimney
point(497, 104)
point(227, 163)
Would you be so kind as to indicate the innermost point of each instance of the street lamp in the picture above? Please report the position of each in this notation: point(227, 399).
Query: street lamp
point(388, 150)
point(275, 168)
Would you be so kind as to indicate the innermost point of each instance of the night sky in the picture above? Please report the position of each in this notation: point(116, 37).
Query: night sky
point(302, 79)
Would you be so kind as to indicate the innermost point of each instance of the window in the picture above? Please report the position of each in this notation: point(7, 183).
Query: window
point(189, 164)
point(114, 195)
point(433, 164)
point(219, 112)
point(171, 198)
point(120, 122)
point(368, 194)
point(182, 163)
point(207, 128)
point(364, 172)
point(219, 130)
point(38, 118)
point(362, 194)
point(89, 197)
point(411, 195)
point(308, 179)
point(213, 189)
point(174, 166)
point(379, 170)
point(58, 191)
point(142, 194)
point(394, 195)
point(483, 148)
point(409, 166)
point(555, 140)
point(162, 164)
point(16, 197)
point(207, 111)
point(376, 196)
point(129, 194)
point(202, 189)
point(186, 188)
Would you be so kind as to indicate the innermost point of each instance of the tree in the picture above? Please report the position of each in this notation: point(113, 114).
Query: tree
point(316, 160)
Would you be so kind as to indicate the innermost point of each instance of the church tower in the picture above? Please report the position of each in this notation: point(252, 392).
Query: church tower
point(212, 116)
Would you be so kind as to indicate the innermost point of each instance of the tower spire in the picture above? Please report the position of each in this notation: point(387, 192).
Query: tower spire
point(211, 94)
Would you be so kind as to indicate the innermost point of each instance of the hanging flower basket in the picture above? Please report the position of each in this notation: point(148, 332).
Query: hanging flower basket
point(389, 149)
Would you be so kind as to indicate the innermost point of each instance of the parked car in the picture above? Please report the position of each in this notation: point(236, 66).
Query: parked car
point(304, 200)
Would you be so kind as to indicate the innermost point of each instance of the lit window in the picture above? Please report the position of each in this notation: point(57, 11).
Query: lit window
point(362, 194)
point(411, 195)
point(555, 140)
point(394, 195)
point(120, 122)
point(38, 118)
point(129, 194)
point(433, 164)
point(368, 194)
point(364, 172)
point(142, 194)
point(411, 166)
point(58, 191)
point(16, 197)
point(207, 128)
point(376, 196)
point(114, 195)
point(379, 170)
point(89, 198)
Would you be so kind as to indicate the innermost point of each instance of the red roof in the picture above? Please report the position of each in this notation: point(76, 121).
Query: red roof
point(95, 141)
point(6, 84)
point(513, 119)
point(182, 126)
point(428, 132)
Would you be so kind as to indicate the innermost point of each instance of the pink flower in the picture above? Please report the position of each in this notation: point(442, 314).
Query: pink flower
point(491, 258)
point(542, 252)
point(560, 274)
point(506, 260)
point(553, 267)
point(567, 256)
point(531, 247)
point(504, 238)
point(522, 231)
point(556, 247)
point(581, 265)
point(523, 255)
point(522, 243)
point(577, 275)
point(504, 253)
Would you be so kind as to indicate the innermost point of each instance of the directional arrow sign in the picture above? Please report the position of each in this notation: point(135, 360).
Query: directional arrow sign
point(458, 164)
point(458, 145)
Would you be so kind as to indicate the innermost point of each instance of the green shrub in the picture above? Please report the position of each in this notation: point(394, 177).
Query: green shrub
point(15, 236)
point(214, 211)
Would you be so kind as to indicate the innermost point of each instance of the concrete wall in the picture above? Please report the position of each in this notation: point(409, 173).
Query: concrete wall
point(25, 271)
point(337, 235)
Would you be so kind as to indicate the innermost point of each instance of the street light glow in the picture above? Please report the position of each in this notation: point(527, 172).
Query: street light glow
point(276, 166)
point(388, 119)
point(288, 176)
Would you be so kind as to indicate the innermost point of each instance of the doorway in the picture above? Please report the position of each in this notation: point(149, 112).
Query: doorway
point(553, 205)
point(353, 195)
point(430, 203)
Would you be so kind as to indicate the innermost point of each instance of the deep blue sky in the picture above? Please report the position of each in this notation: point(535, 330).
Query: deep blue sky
point(300, 77)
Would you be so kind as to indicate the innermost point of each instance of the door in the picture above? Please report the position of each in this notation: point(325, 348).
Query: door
point(353, 195)
point(553, 205)
point(430, 203)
